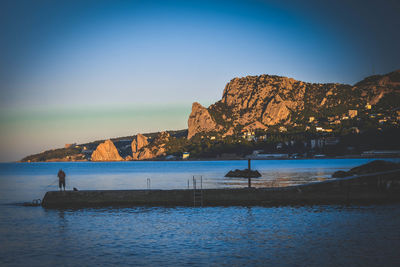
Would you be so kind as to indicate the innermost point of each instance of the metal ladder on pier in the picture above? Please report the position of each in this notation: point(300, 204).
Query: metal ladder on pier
point(197, 192)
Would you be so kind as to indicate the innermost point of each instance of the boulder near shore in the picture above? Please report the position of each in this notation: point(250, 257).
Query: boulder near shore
point(371, 167)
point(243, 173)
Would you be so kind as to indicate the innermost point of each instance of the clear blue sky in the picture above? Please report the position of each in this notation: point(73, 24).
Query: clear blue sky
point(77, 71)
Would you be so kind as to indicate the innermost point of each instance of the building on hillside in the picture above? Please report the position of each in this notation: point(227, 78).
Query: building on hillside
point(387, 153)
point(353, 113)
point(331, 119)
point(185, 155)
point(248, 135)
point(262, 137)
point(256, 152)
point(257, 155)
point(317, 143)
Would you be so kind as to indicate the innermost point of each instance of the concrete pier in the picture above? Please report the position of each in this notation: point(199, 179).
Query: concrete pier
point(372, 188)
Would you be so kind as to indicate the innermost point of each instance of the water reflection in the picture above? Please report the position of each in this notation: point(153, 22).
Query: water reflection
point(275, 180)
point(62, 222)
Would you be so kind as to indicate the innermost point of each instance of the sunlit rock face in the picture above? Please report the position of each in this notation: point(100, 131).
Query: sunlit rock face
point(200, 120)
point(139, 142)
point(145, 150)
point(268, 100)
point(106, 152)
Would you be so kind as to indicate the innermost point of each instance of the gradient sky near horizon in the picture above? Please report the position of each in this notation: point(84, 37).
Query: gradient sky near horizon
point(78, 71)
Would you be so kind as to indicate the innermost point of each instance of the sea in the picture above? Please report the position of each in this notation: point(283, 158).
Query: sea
point(319, 235)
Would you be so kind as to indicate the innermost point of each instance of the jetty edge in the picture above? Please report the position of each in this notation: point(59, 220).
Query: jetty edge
point(375, 188)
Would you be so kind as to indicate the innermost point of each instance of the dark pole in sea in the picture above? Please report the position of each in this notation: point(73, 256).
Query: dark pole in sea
point(249, 168)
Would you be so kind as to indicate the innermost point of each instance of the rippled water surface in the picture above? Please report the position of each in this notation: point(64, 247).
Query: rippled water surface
point(212, 236)
point(277, 236)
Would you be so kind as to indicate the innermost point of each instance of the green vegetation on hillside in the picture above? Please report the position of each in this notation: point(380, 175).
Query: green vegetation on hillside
point(59, 153)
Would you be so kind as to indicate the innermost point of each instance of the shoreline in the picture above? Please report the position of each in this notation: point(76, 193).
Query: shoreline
point(214, 159)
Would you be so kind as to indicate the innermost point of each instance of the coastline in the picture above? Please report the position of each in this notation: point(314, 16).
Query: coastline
point(218, 159)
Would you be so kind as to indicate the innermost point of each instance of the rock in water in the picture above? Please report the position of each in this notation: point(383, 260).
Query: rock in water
point(371, 167)
point(106, 152)
point(243, 173)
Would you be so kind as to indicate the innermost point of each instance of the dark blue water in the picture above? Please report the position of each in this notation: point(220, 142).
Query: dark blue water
point(182, 236)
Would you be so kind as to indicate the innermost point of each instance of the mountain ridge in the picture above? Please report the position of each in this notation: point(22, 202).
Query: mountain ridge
point(268, 100)
point(257, 112)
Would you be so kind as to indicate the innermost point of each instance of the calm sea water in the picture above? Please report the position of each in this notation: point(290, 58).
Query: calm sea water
point(216, 236)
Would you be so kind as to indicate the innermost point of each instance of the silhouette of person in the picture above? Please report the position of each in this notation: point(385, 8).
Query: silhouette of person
point(61, 179)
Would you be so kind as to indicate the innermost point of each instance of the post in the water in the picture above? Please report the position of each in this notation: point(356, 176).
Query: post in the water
point(249, 168)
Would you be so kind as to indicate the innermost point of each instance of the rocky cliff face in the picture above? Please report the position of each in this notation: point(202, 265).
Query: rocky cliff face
point(149, 150)
point(266, 100)
point(139, 142)
point(377, 86)
point(106, 152)
point(200, 120)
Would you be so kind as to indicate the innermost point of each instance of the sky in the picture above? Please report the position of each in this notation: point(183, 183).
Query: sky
point(79, 71)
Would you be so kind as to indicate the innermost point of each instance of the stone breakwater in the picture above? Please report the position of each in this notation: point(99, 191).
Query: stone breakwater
point(363, 189)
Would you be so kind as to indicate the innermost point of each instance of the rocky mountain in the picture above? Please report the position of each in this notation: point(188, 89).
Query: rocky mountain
point(200, 120)
point(142, 149)
point(259, 102)
point(136, 147)
point(139, 142)
point(263, 113)
point(106, 152)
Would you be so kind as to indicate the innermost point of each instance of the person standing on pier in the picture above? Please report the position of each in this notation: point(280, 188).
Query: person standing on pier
point(61, 179)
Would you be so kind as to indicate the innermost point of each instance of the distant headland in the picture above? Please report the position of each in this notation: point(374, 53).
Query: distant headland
point(267, 116)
